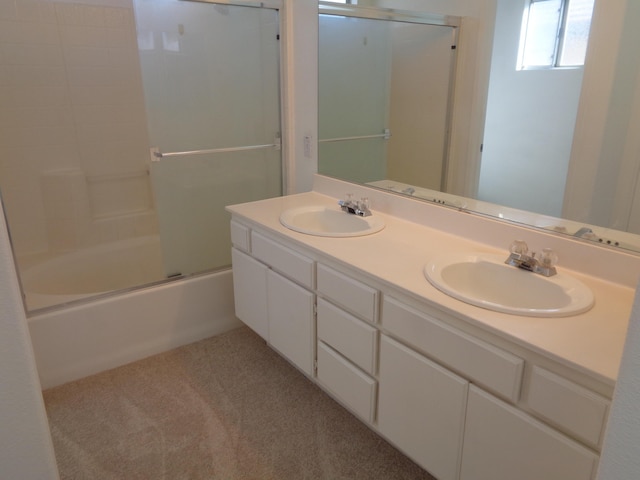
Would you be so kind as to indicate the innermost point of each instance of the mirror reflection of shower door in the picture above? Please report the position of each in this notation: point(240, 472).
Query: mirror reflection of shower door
point(211, 82)
point(378, 76)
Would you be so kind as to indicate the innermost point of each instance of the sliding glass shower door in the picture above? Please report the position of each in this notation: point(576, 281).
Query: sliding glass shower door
point(88, 88)
point(210, 75)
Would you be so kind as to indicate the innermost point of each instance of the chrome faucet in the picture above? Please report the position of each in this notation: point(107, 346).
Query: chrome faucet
point(355, 207)
point(585, 232)
point(544, 264)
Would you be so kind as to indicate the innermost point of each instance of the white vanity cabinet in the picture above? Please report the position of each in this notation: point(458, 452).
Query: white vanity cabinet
point(495, 435)
point(464, 403)
point(273, 295)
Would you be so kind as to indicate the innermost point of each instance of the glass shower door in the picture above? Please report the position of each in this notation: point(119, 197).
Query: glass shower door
point(211, 85)
point(385, 96)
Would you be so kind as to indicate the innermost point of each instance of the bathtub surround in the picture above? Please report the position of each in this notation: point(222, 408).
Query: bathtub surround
point(224, 408)
point(74, 125)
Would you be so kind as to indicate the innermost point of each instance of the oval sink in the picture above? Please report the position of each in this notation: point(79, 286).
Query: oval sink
point(486, 281)
point(329, 222)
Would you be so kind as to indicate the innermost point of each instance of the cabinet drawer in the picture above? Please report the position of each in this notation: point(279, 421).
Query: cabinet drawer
point(240, 235)
point(572, 407)
point(495, 369)
point(350, 385)
point(351, 294)
point(293, 265)
point(345, 333)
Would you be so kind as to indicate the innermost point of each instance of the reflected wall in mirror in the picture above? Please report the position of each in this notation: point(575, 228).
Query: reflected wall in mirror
point(559, 145)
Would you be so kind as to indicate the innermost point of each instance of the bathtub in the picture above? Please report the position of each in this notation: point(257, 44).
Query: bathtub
point(106, 330)
point(93, 271)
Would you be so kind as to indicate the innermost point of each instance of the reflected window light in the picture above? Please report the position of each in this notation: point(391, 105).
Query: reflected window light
point(555, 33)
point(170, 42)
point(145, 40)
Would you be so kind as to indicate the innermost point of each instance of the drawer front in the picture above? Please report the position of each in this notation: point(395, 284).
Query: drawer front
point(491, 367)
point(349, 384)
point(293, 265)
point(355, 296)
point(345, 333)
point(240, 235)
point(572, 407)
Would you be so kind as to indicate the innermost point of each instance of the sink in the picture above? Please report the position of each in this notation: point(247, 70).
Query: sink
point(486, 281)
point(329, 222)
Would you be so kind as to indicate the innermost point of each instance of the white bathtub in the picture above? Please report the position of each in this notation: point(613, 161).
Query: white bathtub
point(93, 271)
point(83, 338)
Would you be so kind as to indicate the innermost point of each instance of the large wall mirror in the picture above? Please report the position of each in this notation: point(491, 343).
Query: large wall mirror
point(558, 148)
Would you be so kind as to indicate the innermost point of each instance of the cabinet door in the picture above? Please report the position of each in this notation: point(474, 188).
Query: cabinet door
point(250, 292)
point(421, 408)
point(290, 311)
point(502, 443)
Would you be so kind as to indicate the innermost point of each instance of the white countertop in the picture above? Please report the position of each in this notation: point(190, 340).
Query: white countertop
point(591, 342)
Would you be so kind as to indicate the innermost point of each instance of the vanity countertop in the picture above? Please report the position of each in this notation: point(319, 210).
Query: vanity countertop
point(591, 342)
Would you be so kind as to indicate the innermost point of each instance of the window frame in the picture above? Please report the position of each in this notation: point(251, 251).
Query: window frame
point(559, 43)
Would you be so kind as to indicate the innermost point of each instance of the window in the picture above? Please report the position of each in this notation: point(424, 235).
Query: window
point(555, 33)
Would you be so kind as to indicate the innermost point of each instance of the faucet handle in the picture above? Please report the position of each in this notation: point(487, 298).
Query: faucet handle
point(519, 247)
point(548, 258)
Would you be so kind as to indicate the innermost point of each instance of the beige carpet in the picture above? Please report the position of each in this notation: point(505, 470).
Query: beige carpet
point(224, 408)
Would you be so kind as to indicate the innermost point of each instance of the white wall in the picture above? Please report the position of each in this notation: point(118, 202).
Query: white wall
point(620, 458)
point(529, 126)
point(300, 102)
point(604, 164)
point(26, 450)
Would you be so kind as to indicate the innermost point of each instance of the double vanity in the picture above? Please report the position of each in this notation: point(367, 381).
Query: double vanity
point(383, 317)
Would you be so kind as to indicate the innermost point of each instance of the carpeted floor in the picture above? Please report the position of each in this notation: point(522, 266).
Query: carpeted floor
point(225, 408)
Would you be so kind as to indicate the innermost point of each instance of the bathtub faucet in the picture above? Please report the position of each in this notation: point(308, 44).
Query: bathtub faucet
point(355, 207)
